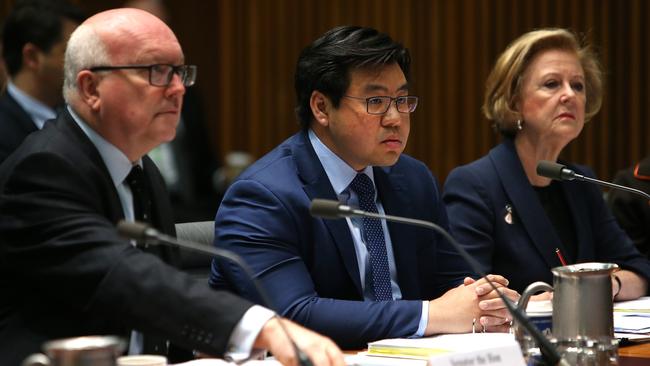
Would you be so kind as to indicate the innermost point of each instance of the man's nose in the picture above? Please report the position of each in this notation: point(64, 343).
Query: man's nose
point(392, 117)
point(175, 86)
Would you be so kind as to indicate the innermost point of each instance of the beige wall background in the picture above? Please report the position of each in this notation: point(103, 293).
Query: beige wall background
point(246, 52)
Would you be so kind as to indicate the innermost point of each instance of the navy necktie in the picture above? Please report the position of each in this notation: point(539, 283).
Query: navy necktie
point(373, 235)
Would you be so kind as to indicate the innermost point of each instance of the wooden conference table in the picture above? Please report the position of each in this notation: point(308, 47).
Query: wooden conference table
point(635, 355)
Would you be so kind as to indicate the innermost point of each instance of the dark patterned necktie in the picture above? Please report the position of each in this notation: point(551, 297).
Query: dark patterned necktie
point(373, 235)
point(141, 197)
point(147, 343)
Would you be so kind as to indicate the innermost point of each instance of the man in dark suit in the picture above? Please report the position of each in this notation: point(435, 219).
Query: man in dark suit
point(353, 280)
point(34, 38)
point(64, 271)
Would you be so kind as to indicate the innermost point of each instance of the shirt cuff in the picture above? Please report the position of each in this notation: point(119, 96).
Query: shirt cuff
point(240, 345)
point(424, 320)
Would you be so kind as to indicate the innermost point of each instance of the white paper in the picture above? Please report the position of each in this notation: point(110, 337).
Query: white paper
point(640, 305)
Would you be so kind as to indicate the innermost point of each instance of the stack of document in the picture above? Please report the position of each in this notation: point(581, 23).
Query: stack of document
point(453, 349)
point(632, 319)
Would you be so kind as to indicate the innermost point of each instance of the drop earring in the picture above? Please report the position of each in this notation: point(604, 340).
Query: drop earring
point(519, 125)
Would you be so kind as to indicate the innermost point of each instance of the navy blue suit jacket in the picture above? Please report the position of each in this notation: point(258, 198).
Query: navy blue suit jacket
point(15, 125)
point(476, 196)
point(308, 265)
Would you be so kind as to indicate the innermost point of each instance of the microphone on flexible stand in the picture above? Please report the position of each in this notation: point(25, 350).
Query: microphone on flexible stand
point(145, 233)
point(330, 209)
point(560, 172)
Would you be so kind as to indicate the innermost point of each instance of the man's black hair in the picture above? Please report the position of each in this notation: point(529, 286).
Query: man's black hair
point(39, 22)
point(325, 65)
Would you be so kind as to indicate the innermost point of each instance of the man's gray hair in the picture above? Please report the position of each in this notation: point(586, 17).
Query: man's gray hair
point(85, 50)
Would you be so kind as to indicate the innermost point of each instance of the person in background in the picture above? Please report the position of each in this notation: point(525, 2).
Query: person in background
point(33, 42)
point(540, 93)
point(64, 270)
point(632, 211)
point(353, 280)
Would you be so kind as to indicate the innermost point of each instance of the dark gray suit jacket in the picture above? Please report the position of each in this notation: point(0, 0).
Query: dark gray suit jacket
point(65, 272)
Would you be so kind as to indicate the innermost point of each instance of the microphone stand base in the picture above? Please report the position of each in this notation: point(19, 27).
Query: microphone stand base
point(578, 352)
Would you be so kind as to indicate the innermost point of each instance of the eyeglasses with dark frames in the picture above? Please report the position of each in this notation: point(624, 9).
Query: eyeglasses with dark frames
point(379, 104)
point(159, 74)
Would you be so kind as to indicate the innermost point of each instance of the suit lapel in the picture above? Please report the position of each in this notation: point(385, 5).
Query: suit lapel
point(396, 201)
point(66, 124)
point(526, 206)
point(25, 122)
point(161, 207)
point(161, 211)
point(317, 185)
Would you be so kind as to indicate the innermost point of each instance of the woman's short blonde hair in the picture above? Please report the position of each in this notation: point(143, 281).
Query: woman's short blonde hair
point(504, 83)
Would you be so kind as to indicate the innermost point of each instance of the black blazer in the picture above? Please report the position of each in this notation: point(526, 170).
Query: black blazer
point(15, 125)
point(496, 214)
point(65, 272)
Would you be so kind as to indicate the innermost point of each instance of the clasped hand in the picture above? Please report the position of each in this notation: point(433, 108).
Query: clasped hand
point(473, 301)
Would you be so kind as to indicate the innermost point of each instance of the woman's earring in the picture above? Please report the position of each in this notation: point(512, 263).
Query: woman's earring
point(519, 125)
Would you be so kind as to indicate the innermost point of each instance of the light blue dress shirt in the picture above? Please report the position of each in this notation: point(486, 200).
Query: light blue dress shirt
point(38, 111)
point(340, 175)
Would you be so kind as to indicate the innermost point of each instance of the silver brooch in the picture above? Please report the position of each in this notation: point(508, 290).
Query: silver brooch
point(508, 217)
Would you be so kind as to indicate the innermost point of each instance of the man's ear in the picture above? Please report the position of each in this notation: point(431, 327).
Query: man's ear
point(88, 82)
point(320, 107)
point(32, 56)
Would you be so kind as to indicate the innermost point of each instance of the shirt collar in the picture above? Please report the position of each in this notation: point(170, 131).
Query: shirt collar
point(338, 171)
point(117, 163)
point(38, 111)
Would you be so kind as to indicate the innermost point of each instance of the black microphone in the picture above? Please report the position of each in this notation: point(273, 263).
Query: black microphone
point(150, 236)
point(330, 209)
point(560, 172)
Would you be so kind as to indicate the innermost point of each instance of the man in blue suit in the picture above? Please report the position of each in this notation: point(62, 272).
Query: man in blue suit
point(353, 280)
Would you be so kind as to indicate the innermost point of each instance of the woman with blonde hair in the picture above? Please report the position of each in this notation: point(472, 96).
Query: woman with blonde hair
point(542, 90)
